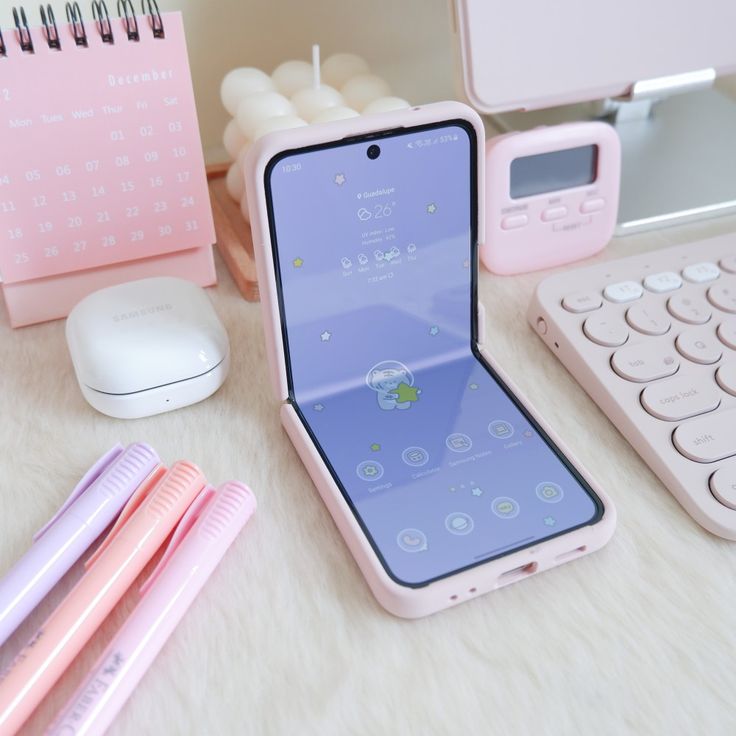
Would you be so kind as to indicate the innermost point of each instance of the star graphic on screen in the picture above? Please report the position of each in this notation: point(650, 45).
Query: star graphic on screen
point(340, 179)
point(434, 330)
point(405, 392)
point(431, 208)
point(549, 520)
point(318, 407)
point(325, 336)
point(375, 447)
point(473, 386)
point(477, 491)
point(298, 263)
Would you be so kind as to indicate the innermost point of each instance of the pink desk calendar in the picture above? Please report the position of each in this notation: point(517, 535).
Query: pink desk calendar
point(102, 176)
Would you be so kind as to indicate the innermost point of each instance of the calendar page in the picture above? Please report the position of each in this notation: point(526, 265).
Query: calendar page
point(100, 156)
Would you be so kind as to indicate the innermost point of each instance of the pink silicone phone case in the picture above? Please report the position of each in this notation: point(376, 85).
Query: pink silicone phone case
point(540, 243)
point(398, 599)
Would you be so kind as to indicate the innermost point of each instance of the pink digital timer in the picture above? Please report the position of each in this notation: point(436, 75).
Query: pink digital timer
point(551, 195)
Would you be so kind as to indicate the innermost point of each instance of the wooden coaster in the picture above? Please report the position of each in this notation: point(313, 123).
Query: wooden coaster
point(234, 240)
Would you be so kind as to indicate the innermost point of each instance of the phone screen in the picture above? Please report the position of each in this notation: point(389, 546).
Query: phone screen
point(375, 250)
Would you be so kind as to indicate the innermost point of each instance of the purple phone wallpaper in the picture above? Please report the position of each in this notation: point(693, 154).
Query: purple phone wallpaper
point(374, 259)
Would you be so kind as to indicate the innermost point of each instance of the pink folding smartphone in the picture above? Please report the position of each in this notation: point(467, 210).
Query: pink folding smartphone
point(443, 481)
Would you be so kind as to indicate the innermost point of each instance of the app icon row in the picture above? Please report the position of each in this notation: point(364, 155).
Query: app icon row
point(416, 457)
point(459, 523)
point(498, 428)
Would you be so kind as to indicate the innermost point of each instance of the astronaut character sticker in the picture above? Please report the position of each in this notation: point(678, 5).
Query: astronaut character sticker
point(393, 383)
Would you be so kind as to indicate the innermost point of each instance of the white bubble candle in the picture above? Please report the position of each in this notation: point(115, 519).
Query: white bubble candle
point(298, 93)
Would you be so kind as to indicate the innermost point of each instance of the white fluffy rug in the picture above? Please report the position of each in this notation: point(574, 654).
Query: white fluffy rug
point(286, 638)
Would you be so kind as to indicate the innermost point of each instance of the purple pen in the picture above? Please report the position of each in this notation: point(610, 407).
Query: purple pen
point(92, 505)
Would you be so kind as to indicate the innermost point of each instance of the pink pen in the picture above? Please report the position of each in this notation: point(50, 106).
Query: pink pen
point(91, 507)
point(197, 546)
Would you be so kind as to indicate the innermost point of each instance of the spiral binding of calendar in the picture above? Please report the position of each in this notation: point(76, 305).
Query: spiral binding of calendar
point(77, 28)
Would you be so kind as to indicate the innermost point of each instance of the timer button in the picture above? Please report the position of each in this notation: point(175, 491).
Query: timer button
point(592, 205)
point(554, 213)
point(511, 222)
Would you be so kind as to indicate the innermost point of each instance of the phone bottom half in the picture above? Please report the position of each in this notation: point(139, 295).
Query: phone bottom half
point(443, 468)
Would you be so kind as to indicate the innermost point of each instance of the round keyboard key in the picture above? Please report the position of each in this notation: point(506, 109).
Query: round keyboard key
point(709, 438)
point(582, 301)
point(692, 309)
point(699, 347)
point(650, 320)
point(728, 263)
point(723, 296)
point(609, 331)
point(645, 362)
point(726, 377)
point(680, 397)
point(727, 333)
point(723, 485)
point(659, 283)
point(700, 273)
point(625, 291)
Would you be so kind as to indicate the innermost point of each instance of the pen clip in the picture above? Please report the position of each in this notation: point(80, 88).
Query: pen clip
point(187, 521)
point(139, 495)
point(88, 480)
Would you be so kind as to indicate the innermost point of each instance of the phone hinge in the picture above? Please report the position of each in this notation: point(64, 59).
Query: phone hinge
point(481, 336)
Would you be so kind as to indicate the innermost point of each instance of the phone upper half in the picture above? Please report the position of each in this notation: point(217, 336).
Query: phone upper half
point(375, 254)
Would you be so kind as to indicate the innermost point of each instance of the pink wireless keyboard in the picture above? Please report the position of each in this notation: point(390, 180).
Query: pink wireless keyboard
point(652, 339)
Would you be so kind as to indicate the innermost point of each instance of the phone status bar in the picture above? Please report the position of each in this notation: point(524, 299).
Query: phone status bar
point(428, 141)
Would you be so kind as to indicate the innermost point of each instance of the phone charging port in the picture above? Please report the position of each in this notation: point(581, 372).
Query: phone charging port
point(517, 572)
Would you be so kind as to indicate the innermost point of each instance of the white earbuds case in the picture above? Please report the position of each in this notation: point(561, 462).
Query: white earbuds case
point(146, 347)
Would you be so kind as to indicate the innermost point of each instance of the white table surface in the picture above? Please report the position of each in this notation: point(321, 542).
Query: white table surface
point(638, 638)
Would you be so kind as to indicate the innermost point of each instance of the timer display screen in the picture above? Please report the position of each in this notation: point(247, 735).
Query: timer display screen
point(553, 171)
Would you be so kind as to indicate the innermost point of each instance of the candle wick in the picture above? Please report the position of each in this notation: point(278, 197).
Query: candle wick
point(315, 65)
